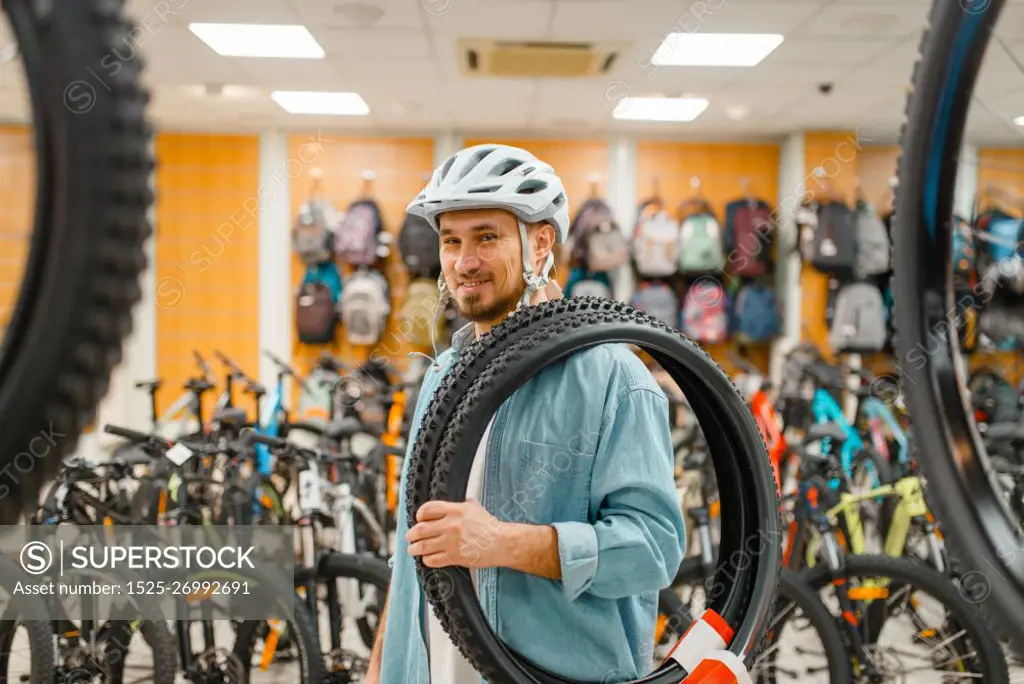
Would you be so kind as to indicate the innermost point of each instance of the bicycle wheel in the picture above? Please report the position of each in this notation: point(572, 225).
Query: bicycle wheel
point(487, 373)
point(372, 576)
point(797, 608)
point(981, 528)
point(958, 638)
point(26, 657)
point(257, 637)
point(73, 307)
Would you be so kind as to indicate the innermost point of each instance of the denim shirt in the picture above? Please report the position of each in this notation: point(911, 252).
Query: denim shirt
point(584, 446)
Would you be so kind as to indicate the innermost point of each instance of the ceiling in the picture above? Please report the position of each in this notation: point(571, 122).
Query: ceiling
point(400, 55)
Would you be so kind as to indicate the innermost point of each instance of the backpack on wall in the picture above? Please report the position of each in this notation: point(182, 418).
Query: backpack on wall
point(705, 314)
point(834, 247)
point(419, 314)
point(356, 239)
point(583, 283)
point(994, 396)
point(750, 231)
point(657, 300)
point(419, 246)
point(858, 324)
point(315, 313)
point(313, 233)
point(872, 256)
point(965, 255)
point(327, 274)
point(365, 307)
point(756, 313)
point(655, 245)
point(597, 242)
point(700, 245)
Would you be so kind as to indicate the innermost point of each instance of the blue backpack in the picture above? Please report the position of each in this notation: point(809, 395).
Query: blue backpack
point(756, 313)
point(1004, 233)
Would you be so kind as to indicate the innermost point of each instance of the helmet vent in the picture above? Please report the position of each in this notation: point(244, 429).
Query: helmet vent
point(560, 200)
point(531, 186)
point(447, 167)
point(472, 162)
point(480, 189)
point(507, 166)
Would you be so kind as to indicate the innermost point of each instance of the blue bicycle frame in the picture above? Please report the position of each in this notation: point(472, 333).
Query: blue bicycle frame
point(826, 410)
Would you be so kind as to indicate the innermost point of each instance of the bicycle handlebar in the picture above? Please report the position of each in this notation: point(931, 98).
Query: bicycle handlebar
point(133, 435)
point(288, 370)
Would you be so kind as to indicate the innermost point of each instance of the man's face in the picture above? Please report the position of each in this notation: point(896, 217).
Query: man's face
point(482, 262)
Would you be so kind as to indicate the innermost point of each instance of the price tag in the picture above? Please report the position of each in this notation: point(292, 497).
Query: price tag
point(310, 496)
point(179, 454)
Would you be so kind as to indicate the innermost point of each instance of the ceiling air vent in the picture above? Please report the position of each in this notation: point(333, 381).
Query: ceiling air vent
point(532, 59)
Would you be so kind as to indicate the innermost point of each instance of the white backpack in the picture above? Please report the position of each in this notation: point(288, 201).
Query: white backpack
point(655, 246)
point(364, 307)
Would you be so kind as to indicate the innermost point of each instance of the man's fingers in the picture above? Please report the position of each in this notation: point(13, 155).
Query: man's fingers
point(438, 560)
point(425, 547)
point(433, 510)
point(421, 531)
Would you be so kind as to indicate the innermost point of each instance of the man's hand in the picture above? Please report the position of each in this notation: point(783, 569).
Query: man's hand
point(466, 535)
point(462, 534)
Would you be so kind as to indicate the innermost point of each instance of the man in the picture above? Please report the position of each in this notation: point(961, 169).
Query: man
point(577, 464)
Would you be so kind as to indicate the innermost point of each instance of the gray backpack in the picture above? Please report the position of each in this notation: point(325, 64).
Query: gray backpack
point(858, 324)
point(313, 232)
point(659, 301)
point(365, 307)
point(591, 287)
point(872, 244)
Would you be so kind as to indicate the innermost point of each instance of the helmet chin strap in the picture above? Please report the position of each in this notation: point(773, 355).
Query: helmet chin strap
point(534, 282)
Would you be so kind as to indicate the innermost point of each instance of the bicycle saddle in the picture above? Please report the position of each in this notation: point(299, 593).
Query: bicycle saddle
point(235, 417)
point(149, 384)
point(819, 431)
point(198, 385)
point(349, 426)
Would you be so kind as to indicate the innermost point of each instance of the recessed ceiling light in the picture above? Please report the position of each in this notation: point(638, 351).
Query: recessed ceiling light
point(331, 104)
point(1019, 121)
point(222, 91)
point(259, 40)
point(660, 108)
point(715, 49)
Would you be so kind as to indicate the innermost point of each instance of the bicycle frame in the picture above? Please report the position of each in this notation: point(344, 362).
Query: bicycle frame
point(876, 410)
point(826, 410)
point(768, 424)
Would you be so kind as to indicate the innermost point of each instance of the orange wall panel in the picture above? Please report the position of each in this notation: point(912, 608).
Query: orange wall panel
point(1003, 170)
point(17, 200)
point(207, 256)
point(401, 168)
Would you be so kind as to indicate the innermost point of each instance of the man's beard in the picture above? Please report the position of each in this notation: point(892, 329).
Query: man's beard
point(473, 309)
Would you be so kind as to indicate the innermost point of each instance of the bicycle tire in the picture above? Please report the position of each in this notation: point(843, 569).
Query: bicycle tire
point(365, 568)
point(486, 374)
point(936, 585)
point(792, 591)
point(81, 279)
point(40, 643)
point(156, 635)
point(303, 634)
point(981, 530)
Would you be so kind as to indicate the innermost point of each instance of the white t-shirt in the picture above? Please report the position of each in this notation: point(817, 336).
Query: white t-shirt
point(447, 664)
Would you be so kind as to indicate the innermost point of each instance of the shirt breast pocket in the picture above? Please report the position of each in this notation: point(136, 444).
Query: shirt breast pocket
point(552, 484)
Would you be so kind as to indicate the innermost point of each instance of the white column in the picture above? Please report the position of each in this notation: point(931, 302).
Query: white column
point(445, 145)
point(123, 404)
point(621, 190)
point(275, 252)
point(966, 181)
point(792, 184)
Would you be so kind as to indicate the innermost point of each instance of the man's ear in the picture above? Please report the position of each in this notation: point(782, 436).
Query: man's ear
point(544, 241)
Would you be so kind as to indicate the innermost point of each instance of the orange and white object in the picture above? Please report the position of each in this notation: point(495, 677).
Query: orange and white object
point(702, 653)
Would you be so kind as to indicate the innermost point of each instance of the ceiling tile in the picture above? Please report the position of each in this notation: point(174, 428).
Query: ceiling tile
point(612, 20)
point(371, 44)
point(871, 20)
point(152, 14)
point(469, 19)
point(381, 14)
point(832, 51)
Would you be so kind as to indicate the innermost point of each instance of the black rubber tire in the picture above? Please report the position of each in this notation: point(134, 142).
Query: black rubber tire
point(792, 591)
point(156, 635)
point(303, 634)
point(487, 373)
point(81, 281)
point(904, 571)
point(40, 644)
point(368, 569)
point(979, 529)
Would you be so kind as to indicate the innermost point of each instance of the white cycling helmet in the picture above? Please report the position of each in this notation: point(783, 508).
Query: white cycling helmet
point(496, 176)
